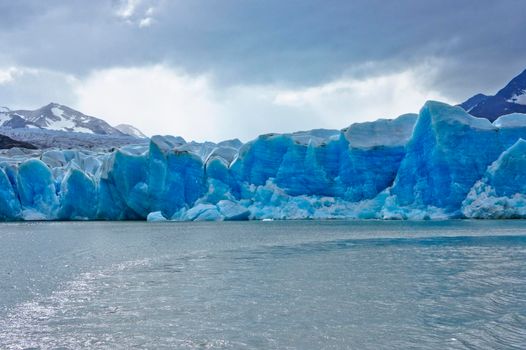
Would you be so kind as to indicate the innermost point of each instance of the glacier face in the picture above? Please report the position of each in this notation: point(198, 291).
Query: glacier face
point(501, 193)
point(441, 163)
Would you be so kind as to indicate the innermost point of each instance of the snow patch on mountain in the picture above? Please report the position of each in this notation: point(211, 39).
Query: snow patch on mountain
point(130, 130)
point(3, 118)
point(520, 99)
point(63, 123)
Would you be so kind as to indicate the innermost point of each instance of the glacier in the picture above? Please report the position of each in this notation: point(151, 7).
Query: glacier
point(438, 164)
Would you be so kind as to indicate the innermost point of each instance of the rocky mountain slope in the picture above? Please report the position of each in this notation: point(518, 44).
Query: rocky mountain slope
point(8, 143)
point(510, 99)
point(57, 117)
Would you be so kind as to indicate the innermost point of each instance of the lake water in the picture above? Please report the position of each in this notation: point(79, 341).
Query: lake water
point(263, 285)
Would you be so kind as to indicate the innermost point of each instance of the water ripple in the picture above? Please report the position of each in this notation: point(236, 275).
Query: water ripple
point(365, 293)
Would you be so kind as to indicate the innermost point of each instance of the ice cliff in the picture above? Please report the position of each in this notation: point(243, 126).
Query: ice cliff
point(441, 163)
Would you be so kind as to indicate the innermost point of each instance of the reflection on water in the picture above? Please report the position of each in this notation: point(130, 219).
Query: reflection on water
point(299, 285)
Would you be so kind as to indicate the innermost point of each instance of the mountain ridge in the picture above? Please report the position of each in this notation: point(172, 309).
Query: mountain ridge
point(57, 117)
point(510, 99)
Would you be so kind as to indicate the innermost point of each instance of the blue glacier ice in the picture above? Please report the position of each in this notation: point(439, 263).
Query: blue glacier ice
point(440, 163)
point(79, 196)
point(449, 150)
point(9, 202)
point(501, 193)
point(37, 190)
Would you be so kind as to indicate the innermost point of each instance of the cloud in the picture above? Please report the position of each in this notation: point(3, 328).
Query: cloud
point(29, 87)
point(359, 99)
point(162, 100)
point(297, 43)
point(145, 22)
point(127, 8)
point(137, 12)
point(6, 76)
point(155, 99)
point(9, 74)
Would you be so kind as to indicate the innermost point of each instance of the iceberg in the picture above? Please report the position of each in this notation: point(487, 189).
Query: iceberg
point(440, 163)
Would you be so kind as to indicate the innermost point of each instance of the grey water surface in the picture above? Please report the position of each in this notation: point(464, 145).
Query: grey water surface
point(263, 285)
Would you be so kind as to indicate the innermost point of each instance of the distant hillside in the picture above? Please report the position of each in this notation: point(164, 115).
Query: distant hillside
point(130, 130)
point(6, 142)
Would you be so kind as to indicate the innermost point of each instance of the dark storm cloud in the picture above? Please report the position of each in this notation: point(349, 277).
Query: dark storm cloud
point(479, 43)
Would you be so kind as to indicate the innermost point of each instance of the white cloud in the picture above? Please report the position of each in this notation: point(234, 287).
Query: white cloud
point(367, 98)
point(26, 87)
point(6, 76)
point(127, 8)
point(137, 12)
point(10, 74)
point(145, 22)
point(155, 99)
point(149, 11)
point(161, 100)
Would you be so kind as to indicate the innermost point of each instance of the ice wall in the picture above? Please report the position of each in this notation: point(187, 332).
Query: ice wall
point(440, 163)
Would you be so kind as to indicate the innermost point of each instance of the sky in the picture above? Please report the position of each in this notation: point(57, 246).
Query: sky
point(220, 69)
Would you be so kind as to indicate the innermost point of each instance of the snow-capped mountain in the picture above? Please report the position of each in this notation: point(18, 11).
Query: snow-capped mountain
point(58, 117)
point(130, 130)
point(510, 99)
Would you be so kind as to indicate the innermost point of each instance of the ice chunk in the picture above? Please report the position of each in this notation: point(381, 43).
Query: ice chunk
point(382, 132)
point(501, 193)
point(9, 204)
point(260, 160)
point(203, 212)
point(233, 211)
point(78, 195)
point(175, 178)
point(301, 173)
point(155, 216)
point(37, 189)
point(127, 178)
